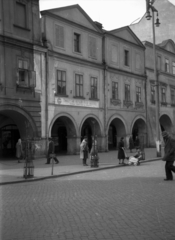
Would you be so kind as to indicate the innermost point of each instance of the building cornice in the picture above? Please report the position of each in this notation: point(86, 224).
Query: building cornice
point(159, 48)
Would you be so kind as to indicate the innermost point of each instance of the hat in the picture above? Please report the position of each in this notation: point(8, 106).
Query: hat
point(165, 134)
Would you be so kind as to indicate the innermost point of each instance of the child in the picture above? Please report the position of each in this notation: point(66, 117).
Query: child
point(136, 158)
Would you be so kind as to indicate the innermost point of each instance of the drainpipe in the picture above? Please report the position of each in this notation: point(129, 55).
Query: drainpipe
point(146, 108)
point(105, 92)
point(3, 32)
point(46, 85)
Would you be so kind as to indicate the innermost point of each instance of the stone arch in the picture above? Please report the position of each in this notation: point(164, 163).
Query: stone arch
point(15, 123)
point(138, 129)
point(91, 126)
point(116, 128)
point(63, 129)
point(165, 123)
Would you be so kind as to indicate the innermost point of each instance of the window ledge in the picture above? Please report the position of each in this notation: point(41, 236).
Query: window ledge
point(115, 102)
point(127, 103)
point(23, 28)
point(79, 97)
point(153, 101)
point(94, 99)
point(60, 95)
point(164, 103)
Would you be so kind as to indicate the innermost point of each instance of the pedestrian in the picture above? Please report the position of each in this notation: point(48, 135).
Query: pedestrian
point(135, 160)
point(131, 143)
point(169, 156)
point(51, 152)
point(137, 143)
point(84, 151)
point(121, 152)
point(19, 151)
point(94, 153)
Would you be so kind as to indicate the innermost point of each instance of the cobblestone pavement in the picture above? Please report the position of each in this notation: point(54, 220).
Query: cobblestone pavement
point(127, 203)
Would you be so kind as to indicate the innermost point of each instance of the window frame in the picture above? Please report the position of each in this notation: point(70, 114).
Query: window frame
point(79, 85)
point(163, 94)
point(57, 26)
point(115, 93)
point(23, 72)
point(167, 65)
point(126, 57)
point(16, 22)
point(77, 47)
point(62, 81)
point(127, 92)
point(173, 67)
point(94, 88)
point(172, 98)
point(138, 94)
point(153, 93)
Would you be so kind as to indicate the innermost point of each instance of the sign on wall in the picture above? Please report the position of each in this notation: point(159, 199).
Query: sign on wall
point(76, 102)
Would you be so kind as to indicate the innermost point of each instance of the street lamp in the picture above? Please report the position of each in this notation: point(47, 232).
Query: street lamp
point(149, 6)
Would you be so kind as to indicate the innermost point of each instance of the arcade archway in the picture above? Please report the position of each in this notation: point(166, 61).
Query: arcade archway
point(64, 133)
point(91, 128)
point(165, 123)
point(14, 124)
point(139, 130)
point(115, 132)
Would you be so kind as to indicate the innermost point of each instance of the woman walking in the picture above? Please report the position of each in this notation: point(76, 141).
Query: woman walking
point(19, 152)
point(121, 152)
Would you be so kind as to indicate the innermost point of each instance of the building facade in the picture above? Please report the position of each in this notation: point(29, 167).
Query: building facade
point(96, 81)
point(165, 56)
point(22, 64)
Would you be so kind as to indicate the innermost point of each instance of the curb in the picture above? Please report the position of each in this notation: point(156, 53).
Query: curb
point(72, 173)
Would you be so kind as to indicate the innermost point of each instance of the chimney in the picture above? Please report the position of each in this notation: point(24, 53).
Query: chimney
point(99, 25)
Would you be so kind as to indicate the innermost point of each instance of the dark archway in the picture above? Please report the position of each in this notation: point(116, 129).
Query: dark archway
point(90, 128)
point(13, 125)
point(63, 131)
point(115, 132)
point(165, 123)
point(139, 130)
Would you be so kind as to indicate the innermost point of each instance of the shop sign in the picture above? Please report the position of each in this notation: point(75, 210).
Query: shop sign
point(76, 102)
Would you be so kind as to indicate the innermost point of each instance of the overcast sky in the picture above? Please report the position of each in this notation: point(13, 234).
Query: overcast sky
point(111, 13)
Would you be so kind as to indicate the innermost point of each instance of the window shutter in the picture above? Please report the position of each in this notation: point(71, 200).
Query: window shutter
point(32, 77)
point(92, 47)
point(59, 35)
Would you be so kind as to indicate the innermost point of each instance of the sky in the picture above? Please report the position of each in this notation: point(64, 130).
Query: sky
point(111, 13)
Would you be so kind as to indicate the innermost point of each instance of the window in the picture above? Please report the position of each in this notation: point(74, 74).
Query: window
point(167, 66)
point(92, 47)
point(23, 73)
point(163, 94)
point(114, 90)
point(173, 65)
point(21, 15)
point(78, 85)
point(173, 96)
point(77, 42)
point(138, 94)
point(153, 93)
point(61, 82)
point(59, 36)
point(127, 92)
point(159, 63)
point(126, 57)
point(93, 87)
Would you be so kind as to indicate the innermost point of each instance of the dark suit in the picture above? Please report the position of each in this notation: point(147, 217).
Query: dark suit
point(169, 157)
point(51, 150)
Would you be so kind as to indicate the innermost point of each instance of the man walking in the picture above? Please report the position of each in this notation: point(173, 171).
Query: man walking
point(169, 156)
point(51, 150)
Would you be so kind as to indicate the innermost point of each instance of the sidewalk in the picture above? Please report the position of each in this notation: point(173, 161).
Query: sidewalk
point(12, 172)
